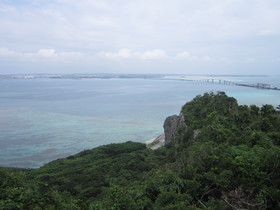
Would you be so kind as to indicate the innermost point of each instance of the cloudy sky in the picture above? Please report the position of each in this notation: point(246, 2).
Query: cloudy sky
point(147, 36)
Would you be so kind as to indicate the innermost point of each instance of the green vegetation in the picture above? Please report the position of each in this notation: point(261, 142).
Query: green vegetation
point(231, 163)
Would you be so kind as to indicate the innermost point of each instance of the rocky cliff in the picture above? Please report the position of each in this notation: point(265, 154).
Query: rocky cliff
point(173, 126)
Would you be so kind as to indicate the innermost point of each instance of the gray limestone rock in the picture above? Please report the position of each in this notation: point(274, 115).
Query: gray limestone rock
point(171, 126)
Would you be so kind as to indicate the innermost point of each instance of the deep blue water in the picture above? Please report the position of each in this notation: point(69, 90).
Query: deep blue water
point(45, 119)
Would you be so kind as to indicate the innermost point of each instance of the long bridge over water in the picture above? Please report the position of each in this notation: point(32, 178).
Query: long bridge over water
point(225, 82)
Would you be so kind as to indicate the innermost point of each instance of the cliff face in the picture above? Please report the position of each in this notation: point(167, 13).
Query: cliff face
point(172, 126)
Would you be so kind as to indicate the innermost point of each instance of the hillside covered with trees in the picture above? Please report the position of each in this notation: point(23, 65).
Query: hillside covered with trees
point(226, 158)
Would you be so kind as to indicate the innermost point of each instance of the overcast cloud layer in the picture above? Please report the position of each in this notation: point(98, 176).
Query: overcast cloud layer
point(147, 36)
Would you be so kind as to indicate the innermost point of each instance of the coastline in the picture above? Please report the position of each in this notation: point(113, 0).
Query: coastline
point(156, 142)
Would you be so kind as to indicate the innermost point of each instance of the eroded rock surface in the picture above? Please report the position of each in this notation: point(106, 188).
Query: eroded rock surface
point(172, 125)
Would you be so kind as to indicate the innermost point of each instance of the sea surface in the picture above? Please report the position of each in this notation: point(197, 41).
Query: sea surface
point(45, 119)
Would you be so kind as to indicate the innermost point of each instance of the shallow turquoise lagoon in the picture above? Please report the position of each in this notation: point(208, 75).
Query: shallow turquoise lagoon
point(45, 119)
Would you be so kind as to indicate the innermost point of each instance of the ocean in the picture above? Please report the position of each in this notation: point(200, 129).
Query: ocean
point(46, 119)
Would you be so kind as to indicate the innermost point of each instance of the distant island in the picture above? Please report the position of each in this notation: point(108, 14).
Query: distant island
point(80, 76)
point(217, 79)
point(216, 155)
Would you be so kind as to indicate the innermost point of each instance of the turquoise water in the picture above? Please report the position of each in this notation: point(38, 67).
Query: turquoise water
point(45, 119)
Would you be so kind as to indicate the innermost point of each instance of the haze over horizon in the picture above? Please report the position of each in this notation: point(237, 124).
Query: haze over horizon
point(160, 37)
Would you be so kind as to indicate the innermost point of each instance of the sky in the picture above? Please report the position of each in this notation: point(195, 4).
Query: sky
point(148, 36)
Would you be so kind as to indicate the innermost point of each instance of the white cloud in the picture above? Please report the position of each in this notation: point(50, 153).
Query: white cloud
point(189, 57)
point(177, 31)
point(46, 53)
point(186, 56)
point(41, 55)
point(53, 55)
point(128, 54)
point(134, 24)
point(154, 54)
point(123, 53)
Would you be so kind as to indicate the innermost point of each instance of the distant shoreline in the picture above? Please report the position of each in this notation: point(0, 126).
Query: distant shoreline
point(216, 79)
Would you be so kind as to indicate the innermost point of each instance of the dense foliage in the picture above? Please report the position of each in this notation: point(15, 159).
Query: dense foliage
point(232, 162)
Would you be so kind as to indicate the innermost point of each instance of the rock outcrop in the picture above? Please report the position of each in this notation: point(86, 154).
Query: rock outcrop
point(172, 125)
